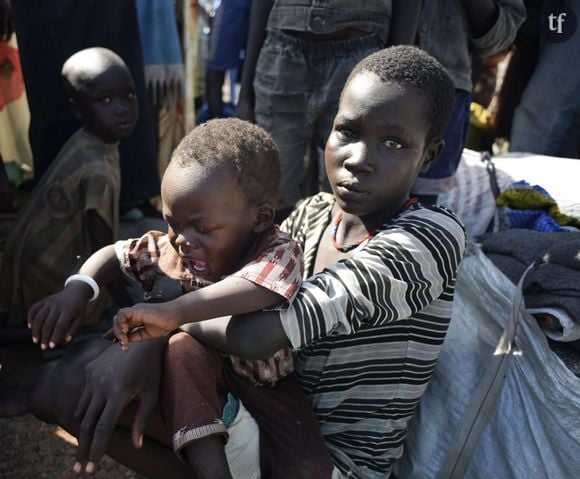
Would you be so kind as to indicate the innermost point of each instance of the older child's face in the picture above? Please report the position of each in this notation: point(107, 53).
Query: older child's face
point(209, 223)
point(108, 105)
point(377, 146)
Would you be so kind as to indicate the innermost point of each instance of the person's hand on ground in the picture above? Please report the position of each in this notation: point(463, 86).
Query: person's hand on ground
point(112, 380)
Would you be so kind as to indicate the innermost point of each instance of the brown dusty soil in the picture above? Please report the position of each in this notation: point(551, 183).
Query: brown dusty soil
point(31, 449)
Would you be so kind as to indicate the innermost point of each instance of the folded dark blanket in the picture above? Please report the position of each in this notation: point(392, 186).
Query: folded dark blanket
point(554, 280)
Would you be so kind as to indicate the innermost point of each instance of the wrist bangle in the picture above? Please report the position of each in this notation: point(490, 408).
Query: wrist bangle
point(83, 278)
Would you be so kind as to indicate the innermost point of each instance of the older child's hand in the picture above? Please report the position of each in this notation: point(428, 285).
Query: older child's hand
point(57, 318)
point(111, 381)
point(144, 321)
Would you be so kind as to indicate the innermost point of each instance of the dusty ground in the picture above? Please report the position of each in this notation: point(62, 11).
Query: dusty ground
point(29, 448)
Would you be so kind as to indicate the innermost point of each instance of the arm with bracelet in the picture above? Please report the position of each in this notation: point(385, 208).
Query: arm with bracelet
point(57, 318)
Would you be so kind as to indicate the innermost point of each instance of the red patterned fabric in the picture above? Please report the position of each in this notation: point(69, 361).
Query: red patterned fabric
point(277, 264)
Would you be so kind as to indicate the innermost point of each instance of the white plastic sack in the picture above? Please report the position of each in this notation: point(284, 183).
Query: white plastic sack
point(533, 431)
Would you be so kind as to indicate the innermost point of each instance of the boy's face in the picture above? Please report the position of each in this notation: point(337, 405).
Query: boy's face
point(108, 105)
point(377, 146)
point(209, 223)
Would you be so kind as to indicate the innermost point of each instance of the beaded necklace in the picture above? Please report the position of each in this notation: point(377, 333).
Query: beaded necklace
point(346, 249)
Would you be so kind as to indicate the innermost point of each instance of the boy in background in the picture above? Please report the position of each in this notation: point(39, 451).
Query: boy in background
point(74, 208)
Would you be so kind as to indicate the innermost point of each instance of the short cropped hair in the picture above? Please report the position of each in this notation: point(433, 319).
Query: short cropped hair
point(82, 67)
point(247, 149)
point(408, 65)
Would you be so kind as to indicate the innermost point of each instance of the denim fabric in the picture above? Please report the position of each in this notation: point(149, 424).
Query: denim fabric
point(444, 33)
point(328, 16)
point(439, 178)
point(297, 87)
point(229, 33)
point(547, 120)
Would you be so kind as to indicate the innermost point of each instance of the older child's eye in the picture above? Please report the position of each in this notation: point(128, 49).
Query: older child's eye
point(130, 95)
point(345, 133)
point(105, 100)
point(393, 144)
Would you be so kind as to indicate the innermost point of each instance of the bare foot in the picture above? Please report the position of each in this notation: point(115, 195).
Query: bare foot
point(13, 400)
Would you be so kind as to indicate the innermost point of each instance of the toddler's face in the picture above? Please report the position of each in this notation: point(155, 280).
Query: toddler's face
point(377, 146)
point(209, 223)
point(108, 105)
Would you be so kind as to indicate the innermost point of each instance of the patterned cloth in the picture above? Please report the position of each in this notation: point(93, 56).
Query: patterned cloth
point(532, 207)
point(14, 113)
point(370, 329)
point(50, 240)
point(276, 264)
point(164, 73)
point(162, 56)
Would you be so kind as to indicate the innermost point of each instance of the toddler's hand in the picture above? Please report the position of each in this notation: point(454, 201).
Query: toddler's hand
point(57, 318)
point(143, 321)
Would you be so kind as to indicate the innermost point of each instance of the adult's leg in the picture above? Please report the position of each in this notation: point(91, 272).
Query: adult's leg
point(282, 87)
point(54, 395)
point(214, 82)
point(229, 31)
point(547, 119)
point(13, 400)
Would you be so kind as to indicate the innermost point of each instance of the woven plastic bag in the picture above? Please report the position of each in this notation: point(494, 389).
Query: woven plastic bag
point(495, 408)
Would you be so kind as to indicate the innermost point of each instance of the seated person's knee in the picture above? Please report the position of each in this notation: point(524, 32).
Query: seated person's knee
point(67, 379)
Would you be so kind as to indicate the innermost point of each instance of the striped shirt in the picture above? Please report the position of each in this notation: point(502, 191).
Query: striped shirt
point(276, 265)
point(370, 329)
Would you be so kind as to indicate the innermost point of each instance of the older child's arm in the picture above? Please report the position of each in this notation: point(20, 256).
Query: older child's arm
point(257, 335)
point(232, 295)
point(394, 286)
point(59, 316)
